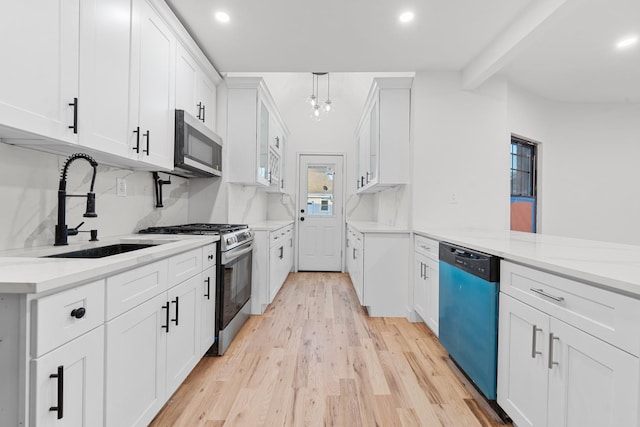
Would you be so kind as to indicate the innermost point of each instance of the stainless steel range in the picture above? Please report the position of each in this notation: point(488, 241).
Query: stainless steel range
point(233, 275)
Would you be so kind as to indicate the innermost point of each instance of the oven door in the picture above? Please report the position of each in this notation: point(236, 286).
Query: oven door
point(235, 275)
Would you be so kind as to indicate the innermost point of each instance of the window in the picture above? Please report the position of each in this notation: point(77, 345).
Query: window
point(320, 190)
point(523, 185)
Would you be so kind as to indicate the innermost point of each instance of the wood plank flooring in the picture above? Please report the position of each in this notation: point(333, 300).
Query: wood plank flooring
point(314, 358)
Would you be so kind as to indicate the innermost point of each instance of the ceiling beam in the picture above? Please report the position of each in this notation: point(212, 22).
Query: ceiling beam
point(508, 43)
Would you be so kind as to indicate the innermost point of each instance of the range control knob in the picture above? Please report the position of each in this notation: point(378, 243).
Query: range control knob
point(229, 240)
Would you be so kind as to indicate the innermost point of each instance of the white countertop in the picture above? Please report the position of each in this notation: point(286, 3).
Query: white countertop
point(376, 227)
point(23, 271)
point(612, 266)
point(270, 225)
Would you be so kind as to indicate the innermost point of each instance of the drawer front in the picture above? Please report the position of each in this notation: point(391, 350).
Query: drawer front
point(184, 266)
point(131, 288)
point(209, 256)
point(279, 235)
point(53, 323)
point(426, 246)
point(604, 314)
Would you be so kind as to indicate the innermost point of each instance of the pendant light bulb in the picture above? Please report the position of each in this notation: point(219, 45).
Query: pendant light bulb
point(315, 113)
point(328, 106)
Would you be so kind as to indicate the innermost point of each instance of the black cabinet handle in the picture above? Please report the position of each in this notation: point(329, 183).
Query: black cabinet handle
point(74, 104)
point(79, 312)
point(147, 136)
point(208, 294)
point(210, 257)
point(137, 147)
point(60, 377)
point(177, 303)
point(368, 174)
point(167, 316)
point(199, 106)
point(269, 177)
point(281, 252)
point(357, 184)
point(203, 110)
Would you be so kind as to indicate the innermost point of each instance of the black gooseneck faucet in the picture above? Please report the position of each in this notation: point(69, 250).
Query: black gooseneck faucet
point(62, 231)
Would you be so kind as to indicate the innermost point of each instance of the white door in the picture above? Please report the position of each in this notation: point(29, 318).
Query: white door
point(320, 215)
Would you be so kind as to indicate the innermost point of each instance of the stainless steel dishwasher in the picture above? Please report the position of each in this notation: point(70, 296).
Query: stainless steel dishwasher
point(469, 313)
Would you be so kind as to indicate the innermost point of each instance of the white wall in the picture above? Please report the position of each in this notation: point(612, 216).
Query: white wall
point(460, 152)
point(28, 190)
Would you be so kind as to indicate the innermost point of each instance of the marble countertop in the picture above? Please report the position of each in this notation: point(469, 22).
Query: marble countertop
point(376, 227)
point(23, 271)
point(612, 266)
point(270, 225)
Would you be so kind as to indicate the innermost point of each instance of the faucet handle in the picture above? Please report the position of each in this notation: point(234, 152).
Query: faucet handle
point(94, 236)
point(74, 231)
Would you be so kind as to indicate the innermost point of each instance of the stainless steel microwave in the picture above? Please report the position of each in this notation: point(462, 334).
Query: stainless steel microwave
point(198, 150)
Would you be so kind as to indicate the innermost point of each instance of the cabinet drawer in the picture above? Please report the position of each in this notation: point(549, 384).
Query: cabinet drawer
point(279, 235)
point(426, 246)
point(184, 266)
point(604, 314)
point(209, 256)
point(131, 288)
point(53, 323)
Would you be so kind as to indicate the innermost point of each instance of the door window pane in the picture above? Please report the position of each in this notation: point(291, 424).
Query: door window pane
point(320, 190)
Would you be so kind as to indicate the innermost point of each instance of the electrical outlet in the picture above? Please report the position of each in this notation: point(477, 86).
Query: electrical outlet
point(453, 199)
point(121, 187)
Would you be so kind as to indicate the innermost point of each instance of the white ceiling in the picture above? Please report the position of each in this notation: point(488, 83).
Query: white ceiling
point(559, 49)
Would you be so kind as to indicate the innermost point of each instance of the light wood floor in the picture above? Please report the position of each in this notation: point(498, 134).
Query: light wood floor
point(316, 359)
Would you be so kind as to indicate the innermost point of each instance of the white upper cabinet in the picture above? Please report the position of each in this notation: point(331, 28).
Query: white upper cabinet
point(152, 119)
point(382, 135)
point(39, 75)
point(195, 91)
point(255, 134)
point(105, 40)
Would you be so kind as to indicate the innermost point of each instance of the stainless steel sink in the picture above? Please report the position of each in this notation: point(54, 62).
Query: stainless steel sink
point(103, 251)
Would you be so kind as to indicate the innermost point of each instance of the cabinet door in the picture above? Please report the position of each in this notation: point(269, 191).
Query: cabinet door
point(591, 383)
point(186, 82)
point(70, 379)
point(374, 144)
point(136, 364)
point(103, 118)
point(206, 94)
point(420, 291)
point(276, 259)
point(208, 310)
point(39, 76)
point(183, 339)
point(153, 53)
point(262, 148)
point(432, 272)
point(522, 362)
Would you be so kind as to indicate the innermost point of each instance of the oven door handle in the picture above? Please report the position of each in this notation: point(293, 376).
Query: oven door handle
point(229, 256)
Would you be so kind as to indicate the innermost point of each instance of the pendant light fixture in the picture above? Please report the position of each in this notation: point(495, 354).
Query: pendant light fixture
point(318, 108)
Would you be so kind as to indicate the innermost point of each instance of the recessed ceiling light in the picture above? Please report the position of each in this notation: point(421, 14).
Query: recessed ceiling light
point(406, 17)
point(222, 17)
point(627, 42)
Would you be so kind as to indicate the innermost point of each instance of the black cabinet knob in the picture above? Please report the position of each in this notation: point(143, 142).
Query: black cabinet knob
point(210, 257)
point(78, 313)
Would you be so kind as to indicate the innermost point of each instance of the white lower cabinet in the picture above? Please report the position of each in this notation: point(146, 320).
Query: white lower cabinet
point(135, 373)
point(272, 262)
point(551, 373)
point(379, 270)
point(208, 309)
point(426, 291)
point(67, 383)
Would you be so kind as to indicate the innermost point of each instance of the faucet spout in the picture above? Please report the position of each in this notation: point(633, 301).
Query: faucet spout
point(61, 230)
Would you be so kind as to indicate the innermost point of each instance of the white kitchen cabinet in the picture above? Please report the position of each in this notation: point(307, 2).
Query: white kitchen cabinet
point(380, 271)
point(39, 76)
point(426, 294)
point(183, 338)
point(195, 92)
point(382, 135)
point(272, 261)
point(252, 123)
point(68, 386)
point(354, 262)
point(208, 310)
point(136, 357)
point(152, 120)
point(555, 368)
